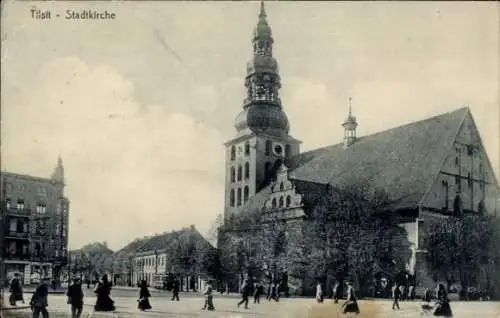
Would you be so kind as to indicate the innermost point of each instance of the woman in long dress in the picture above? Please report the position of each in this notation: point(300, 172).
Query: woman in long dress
point(209, 304)
point(144, 295)
point(319, 293)
point(442, 308)
point(351, 305)
point(103, 290)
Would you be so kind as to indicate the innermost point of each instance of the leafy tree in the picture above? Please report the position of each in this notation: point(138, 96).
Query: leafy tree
point(353, 234)
point(459, 247)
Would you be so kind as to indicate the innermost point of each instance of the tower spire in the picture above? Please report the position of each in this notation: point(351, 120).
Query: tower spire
point(262, 13)
point(349, 125)
point(58, 174)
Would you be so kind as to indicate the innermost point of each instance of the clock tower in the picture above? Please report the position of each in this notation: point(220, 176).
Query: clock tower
point(262, 142)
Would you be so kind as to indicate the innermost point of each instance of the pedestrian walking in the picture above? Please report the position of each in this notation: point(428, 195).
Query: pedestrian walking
point(351, 304)
point(259, 290)
point(411, 293)
point(144, 294)
point(103, 291)
point(75, 298)
point(208, 293)
point(175, 290)
point(442, 308)
point(16, 290)
point(245, 292)
point(39, 301)
point(319, 293)
point(336, 292)
point(396, 295)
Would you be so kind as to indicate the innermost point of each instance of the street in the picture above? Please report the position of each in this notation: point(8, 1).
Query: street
point(126, 306)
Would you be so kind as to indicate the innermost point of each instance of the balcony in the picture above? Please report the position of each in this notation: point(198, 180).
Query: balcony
point(12, 211)
point(16, 235)
point(17, 256)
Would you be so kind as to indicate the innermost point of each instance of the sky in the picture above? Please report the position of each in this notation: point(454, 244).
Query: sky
point(139, 107)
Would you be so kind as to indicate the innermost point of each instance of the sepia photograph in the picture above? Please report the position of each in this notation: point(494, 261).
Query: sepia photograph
point(235, 159)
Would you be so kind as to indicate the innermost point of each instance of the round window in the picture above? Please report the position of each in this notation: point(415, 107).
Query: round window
point(278, 149)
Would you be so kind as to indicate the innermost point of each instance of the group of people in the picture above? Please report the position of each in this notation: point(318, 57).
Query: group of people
point(440, 308)
point(257, 289)
point(350, 306)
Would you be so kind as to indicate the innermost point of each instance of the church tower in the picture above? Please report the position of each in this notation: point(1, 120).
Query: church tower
point(350, 125)
point(58, 174)
point(262, 141)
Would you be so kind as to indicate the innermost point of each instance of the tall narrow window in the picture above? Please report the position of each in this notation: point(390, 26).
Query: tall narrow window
point(239, 173)
point(239, 197)
point(231, 198)
point(288, 200)
point(20, 205)
point(458, 184)
point(469, 180)
point(247, 170)
point(233, 152)
point(444, 185)
point(267, 169)
point(282, 187)
point(456, 162)
point(274, 203)
point(8, 203)
point(281, 202)
point(287, 151)
point(269, 145)
point(233, 174)
point(247, 149)
point(246, 193)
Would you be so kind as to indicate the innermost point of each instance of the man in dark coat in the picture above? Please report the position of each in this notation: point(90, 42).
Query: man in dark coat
point(75, 298)
point(16, 290)
point(396, 296)
point(245, 292)
point(176, 289)
point(39, 301)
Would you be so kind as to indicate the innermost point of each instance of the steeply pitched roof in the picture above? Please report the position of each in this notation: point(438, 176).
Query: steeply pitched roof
point(403, 161)
point(132, 246)
point(165, 241)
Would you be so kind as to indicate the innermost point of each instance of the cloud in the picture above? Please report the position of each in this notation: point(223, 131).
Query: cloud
point(129, 172)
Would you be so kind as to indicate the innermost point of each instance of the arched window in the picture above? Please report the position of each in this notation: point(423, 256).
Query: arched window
point(239, 197)
point(281, 202)
point(247, 149)
point(233, 152)
point(231, 198)
point(233, 174)
point(247, 170)
point(281, 186)
point(288, 200)
point(246, 192)
point(274, 203)
point(287, 151)
point(239, 173)
point(456, 162)
point(269, 145)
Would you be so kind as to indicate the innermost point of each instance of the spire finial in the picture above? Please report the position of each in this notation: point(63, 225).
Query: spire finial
point(350, 106)
point(262, 13)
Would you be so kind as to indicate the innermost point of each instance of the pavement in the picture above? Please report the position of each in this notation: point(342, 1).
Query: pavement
point(126, 306)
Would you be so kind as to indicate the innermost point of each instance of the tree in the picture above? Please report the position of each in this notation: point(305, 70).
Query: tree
point(459, 247)
point(353, 234)
point(212, 234)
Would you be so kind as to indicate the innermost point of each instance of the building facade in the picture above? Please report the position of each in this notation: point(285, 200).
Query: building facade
point(434, 165)
point(35, 225)
point(158, 259)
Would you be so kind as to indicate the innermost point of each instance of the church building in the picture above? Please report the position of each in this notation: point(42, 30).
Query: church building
point(431, 164)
